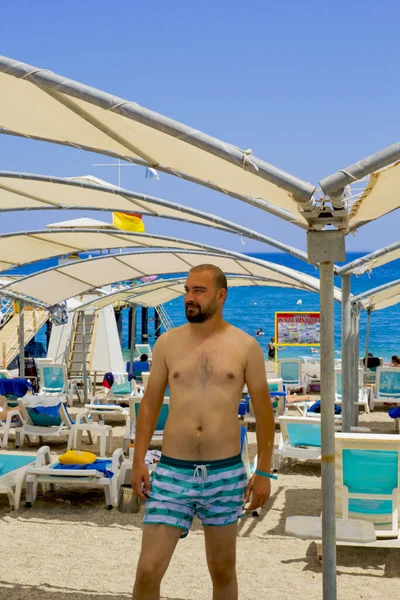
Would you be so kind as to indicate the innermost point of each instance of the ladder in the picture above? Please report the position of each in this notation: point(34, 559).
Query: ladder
point(34, 319)
point(76, 358)
point(165, 319)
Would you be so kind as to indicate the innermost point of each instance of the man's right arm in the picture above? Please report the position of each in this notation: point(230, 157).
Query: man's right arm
point(150, 407)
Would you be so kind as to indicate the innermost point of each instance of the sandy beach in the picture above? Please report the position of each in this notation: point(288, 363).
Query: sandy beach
point(68, 546)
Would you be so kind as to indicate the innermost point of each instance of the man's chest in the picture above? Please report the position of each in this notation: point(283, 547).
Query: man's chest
point(206, 367)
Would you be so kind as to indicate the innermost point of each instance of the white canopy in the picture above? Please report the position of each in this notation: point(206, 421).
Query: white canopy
point(158, 292)
point(379, 297)
point(25, 247)
point(381, 196)
point(38, 104)
point(21, 191)
point(365, 264)
point(66, 281)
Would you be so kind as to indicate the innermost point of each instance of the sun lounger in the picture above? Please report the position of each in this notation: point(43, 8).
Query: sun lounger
point(54, 381)
point(300, 438)
point(12, 422)
point(363, 392)
point(43, 417)
point(13, 468)
point(387, 386)
point(44, 472)
point(367, 491)
point(290, 371)
point(134, 406)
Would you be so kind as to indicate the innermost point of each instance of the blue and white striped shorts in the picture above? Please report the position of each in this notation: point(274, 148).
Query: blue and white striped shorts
point(180, 489)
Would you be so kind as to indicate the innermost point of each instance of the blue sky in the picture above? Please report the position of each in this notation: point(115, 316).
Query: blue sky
point(311, 87)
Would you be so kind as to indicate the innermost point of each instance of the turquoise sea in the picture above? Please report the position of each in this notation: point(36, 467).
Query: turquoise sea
point(251, 308)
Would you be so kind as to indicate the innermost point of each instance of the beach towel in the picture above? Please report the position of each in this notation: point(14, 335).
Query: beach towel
point(316, 408)
point(102, 466)
point(16, 387)
point(394, 413)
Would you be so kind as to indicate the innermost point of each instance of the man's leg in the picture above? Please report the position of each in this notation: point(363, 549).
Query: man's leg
point(158, 545)
point(221, 560)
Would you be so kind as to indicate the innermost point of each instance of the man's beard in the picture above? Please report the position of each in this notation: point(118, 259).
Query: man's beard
point(195, 314)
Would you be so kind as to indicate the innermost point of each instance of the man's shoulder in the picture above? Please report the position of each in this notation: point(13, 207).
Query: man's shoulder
point(172, 334)
point(242, 337)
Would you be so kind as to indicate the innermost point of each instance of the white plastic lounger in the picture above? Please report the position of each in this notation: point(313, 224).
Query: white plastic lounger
point(40, 424)
point(290, 371)
point(300, 438)
point(13, 468)
point(363, 392)
point(44, 473)
point(367, 493)
point(12, 422)
point(387, 386)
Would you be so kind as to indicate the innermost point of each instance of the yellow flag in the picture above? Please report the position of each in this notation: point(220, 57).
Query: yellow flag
point(128, 222)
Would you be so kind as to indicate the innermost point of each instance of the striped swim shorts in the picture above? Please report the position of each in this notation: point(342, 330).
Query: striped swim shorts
point(180, 489)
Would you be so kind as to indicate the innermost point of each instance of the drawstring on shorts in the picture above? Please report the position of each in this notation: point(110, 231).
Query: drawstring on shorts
point(200, 474)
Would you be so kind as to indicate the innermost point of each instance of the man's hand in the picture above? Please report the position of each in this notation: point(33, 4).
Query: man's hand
point(140, 481)
point(259, 488)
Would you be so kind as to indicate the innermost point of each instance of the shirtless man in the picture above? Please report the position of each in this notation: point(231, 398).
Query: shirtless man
point(206, 364)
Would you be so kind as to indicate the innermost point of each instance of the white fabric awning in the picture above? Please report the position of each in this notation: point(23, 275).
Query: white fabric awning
point(365, 264)
point(380, 197)
point(66, 281)
point(161, 291)
point(38, 104)
point(380, 297)
point(22, 191)
point(21, 248)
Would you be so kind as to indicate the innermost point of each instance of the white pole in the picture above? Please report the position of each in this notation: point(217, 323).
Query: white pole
point(355, 363)
point(328, 432)
point(133, 338)
point(346, 355)
point(367, 339)
point(84, 364)
point(21, 340)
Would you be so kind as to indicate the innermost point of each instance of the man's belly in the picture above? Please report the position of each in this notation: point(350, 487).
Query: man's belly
point(212, 438)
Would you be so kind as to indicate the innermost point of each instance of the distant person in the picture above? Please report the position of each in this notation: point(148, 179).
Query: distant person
point(259, 332)
point(144, 358)
point(372, 362)
point(271, 348)
point(395, 361)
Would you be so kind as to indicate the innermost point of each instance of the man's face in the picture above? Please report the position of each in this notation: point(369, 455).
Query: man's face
point(202, 299)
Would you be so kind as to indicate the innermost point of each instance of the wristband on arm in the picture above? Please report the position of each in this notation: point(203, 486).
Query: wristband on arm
point(264, 474)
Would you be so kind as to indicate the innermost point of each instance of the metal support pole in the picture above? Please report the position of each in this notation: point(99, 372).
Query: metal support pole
point(325, 248)
point(21, 340)
point(355, 362)
point(328, 432)
point(132, 339)
point(84, 363)
point(367, 339)
point(157, 324)
point(346, 355)
point(145, 325)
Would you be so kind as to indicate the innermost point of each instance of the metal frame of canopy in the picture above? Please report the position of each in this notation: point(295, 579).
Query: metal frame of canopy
point(364, 302)
point(91, 106)
point(333, 186)
point(351, 324)
point(324, 246)
point(243, 263)
point(135, 294)
point(147, 206)
point(150, 205)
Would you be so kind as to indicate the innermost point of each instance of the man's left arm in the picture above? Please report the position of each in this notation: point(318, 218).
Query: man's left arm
point(255, 377)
